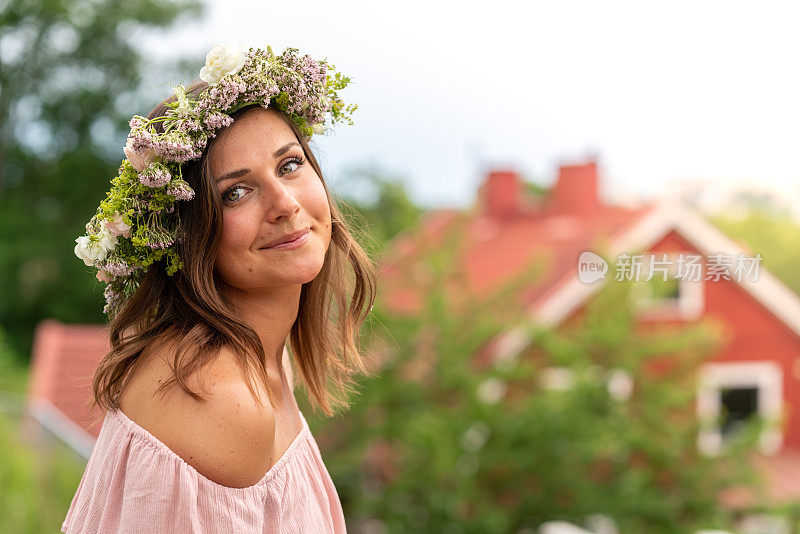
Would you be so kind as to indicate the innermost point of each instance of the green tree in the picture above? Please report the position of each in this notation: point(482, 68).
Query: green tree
point(377, 203)
point(430, 446)
point(70, 77)
point(772, 235)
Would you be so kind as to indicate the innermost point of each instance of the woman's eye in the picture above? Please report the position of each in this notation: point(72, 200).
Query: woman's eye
point(291, 165)
point(225, 196)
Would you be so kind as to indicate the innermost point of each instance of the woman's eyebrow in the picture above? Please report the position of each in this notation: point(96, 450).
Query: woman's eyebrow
point(241, 172)
point(285, 148)
point(233, 174)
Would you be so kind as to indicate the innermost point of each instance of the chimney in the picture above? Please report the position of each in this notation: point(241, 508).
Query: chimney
point(575, 192)
point(501, 193)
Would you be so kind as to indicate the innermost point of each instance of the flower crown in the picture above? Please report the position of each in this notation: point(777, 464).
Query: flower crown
point(136, 224)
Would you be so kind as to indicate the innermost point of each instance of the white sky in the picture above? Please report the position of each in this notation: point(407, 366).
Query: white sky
point(661, 94)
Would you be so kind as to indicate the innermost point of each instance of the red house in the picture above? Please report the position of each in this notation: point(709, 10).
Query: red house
point(758, 371)
point(59, 393)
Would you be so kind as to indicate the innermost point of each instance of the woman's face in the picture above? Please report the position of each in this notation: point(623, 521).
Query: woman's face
point(269, 191)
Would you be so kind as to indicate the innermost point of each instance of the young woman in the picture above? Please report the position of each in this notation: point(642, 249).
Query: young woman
point(218, 241)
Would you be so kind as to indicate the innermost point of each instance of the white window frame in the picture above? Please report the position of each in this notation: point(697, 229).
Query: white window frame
point(766, 377)
point(688, 305)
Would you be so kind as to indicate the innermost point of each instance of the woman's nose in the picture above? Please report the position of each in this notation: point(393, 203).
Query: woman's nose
point(281, 202)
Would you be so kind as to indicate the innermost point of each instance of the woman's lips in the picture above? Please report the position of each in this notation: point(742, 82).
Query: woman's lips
point(299, 242)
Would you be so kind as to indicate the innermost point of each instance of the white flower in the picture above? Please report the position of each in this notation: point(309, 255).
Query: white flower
point(319, 128)
point(117, 226)
point(222, 59)
point(619, 384)
point(90, 252)
point(138, 160)
point(107, 240)
point(181, 98)
point(491, 390)
point(82, 250)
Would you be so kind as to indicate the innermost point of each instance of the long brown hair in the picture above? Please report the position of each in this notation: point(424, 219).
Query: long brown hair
point(190, 309)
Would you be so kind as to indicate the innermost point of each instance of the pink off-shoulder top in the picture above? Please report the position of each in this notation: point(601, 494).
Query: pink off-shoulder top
point(135, 483)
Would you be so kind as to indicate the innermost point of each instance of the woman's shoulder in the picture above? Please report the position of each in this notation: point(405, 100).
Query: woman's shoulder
point(228, 437)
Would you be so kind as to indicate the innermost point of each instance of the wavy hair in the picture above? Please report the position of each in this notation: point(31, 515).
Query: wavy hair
point(190, 309)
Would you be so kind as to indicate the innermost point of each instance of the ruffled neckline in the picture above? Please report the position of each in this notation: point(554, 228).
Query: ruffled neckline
point(141, 433)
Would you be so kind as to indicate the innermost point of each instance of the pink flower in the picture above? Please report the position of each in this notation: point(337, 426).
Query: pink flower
point(103, 276)
point(117, 226)
point(138, 160)
point(155, 176)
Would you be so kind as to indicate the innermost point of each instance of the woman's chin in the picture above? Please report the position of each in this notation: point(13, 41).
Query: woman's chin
point(301, 274)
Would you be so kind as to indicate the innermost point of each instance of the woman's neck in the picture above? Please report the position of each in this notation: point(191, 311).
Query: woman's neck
point(271, 314)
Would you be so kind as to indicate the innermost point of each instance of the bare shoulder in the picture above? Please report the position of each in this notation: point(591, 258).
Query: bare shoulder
point(228, 437)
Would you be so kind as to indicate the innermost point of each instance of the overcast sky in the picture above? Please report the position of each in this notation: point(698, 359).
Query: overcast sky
point(446, 90)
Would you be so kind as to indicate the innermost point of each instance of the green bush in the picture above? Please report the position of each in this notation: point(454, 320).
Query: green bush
point(36, 487)
point(426, 447)
point(36, 484)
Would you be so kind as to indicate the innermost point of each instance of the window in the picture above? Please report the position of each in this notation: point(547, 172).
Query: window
point(664, 296)
point(738, 406)
point(730, 394)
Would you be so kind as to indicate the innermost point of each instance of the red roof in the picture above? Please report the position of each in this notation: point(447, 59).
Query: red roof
point(63, 363)
point(505, 231)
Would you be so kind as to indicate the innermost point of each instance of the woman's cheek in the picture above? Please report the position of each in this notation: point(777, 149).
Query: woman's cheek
point(322, 209)
point(234, 230)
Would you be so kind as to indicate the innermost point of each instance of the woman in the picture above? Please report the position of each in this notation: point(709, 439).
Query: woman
point(218, 240)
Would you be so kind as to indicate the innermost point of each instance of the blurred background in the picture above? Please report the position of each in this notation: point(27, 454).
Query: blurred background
point(493, 145)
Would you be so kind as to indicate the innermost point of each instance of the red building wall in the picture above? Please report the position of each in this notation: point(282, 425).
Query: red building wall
point(756, 334)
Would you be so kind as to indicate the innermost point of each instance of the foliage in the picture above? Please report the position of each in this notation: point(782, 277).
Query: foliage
point(70, 74)
point(13, 375)
point(774, 236)
point(377, 201)
point(534, 189)
point(428, 447)
point(36, 485)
